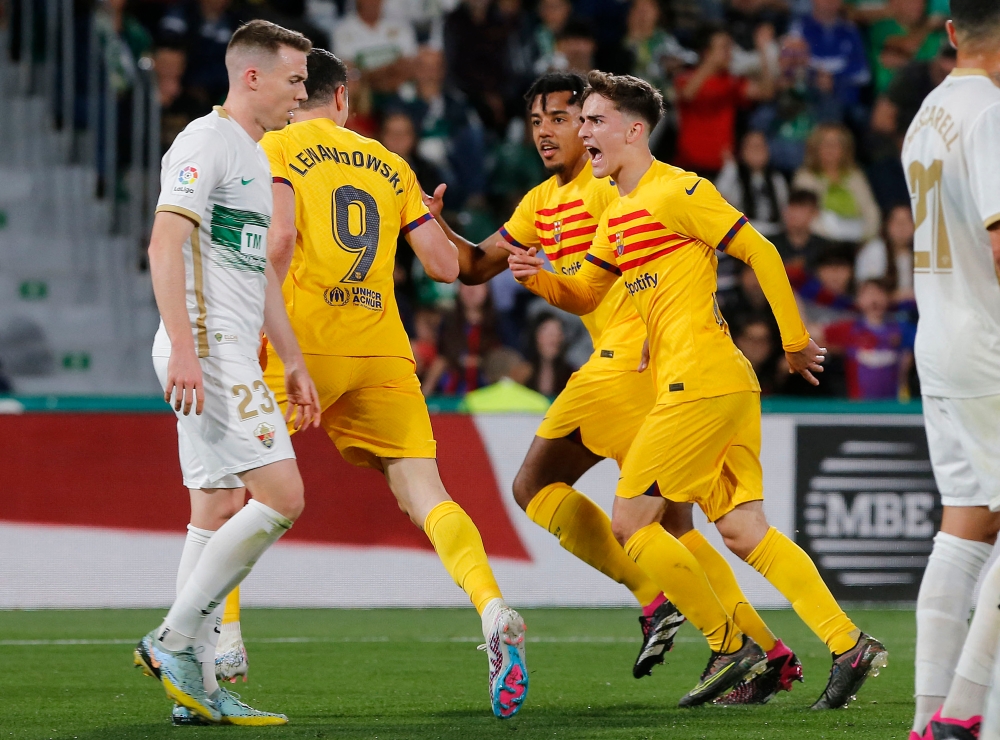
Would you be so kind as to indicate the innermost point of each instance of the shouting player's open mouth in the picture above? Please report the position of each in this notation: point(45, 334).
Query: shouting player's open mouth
point(595, 155)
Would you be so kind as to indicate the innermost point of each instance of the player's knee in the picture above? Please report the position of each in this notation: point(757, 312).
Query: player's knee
point(622, 530)
point(525, 488)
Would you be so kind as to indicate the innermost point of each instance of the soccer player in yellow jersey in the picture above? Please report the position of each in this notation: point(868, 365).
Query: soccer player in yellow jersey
point(605, 403)
point(701, 440)
point(340, 203)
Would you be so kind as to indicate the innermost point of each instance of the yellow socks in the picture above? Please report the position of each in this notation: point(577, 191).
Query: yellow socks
point(585, 530)
point(232, 609)
point(458, 544)
point(677, 573)
point(724, 583)
point(790, 570)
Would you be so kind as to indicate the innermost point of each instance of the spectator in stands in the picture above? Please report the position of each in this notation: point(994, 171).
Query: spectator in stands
point(896, 107)
point(848, 211)
point(804, 97)
point(755, 338)
point(382, 49)
point(753, 186)
point(468, 334)
point(867, 12)
point(399, 137)
point(476, 39)
point(430, 364)
point(203, 29)
point(890, 257)
point(709, 97)
point(177, 106)
point(575, 48)
point(826, 296)
point(744, 19)
point(552, 16)
point(746, 302)
point(450, 135)
point(547, 355)
point(362, 118)
point(798, 245)
point(837, 49)
point(878, 350)
point(906, 34)
point(132, 42)
point(505, 371)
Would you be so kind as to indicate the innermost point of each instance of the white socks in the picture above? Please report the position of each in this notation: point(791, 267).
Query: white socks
point(226, 560)
point(490, 613)
point(943, 608)
point(208, 634)
point(974, 672)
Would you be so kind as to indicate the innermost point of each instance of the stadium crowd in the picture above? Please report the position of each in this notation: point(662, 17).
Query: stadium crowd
point(796, 110)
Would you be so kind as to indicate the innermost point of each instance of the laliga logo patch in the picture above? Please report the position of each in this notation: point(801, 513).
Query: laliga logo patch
point(186, 179)
point(265, 433)
point(188, 176)
point(336, 296)
point(620, 243)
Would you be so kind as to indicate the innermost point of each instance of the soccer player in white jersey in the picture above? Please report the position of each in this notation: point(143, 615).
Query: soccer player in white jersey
point(215, 291)
point(951, 156)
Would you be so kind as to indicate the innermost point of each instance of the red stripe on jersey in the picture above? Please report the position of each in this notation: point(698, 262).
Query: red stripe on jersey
point(650, 257)
point(568, 220)
point(647, 243)
point(559, 208)
point(627, 217)
point(567, 250)
point(642, 229)
point(549, 241)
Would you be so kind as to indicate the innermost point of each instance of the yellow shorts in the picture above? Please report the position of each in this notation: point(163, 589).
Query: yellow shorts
point(372, 406)
point(705, 451)
point(605, 408)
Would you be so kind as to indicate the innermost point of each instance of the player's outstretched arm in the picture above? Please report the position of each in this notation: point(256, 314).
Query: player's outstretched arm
point(579, 294)
point(477, 263)
point(435, 251)
point(281, 235)
point(303, 400)
point(184, 386)
point(805, 357)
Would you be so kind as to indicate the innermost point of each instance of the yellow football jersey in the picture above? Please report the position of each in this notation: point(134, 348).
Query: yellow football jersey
point(562, 221)
point(353, 198)
point(660, 239)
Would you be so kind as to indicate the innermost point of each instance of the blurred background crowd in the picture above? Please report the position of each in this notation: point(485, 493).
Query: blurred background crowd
point(795, 109)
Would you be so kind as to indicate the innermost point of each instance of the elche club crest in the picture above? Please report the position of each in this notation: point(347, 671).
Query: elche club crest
point(557, 231)
point(265, 433)
point(619, 243)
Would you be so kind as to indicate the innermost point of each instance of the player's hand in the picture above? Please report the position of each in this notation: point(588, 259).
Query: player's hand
point(435, 203)
point(185, 385)
point(303, 399)
point(644, 357)
point(807, 361)
point(523, 263)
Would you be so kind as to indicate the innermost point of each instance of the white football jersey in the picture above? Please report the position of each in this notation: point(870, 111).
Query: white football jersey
point(219, 177)
point(951, 157)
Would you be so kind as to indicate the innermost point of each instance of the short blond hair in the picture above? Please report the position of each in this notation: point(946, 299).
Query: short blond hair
point(265, 36)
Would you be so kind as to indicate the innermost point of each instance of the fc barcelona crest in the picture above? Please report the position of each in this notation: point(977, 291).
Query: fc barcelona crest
point(620, 242)
point(557, 231)
point(265, 433)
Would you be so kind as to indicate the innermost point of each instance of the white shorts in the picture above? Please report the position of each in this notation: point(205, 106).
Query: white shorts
point(963, 437)
point(240, 428)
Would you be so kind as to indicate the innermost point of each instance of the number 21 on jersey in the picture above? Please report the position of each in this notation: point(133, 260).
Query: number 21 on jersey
point(355, 229)
point(931, 247)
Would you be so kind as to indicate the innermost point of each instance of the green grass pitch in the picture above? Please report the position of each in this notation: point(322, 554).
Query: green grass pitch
point(416, 674)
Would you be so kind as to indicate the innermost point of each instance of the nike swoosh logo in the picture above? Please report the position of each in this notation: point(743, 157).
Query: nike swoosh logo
point(689, 192)
point(857, 661)
point(247, 182)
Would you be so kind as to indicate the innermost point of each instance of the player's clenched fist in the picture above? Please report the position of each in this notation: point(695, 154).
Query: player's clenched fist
point(185, 385)
point(807, 361)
